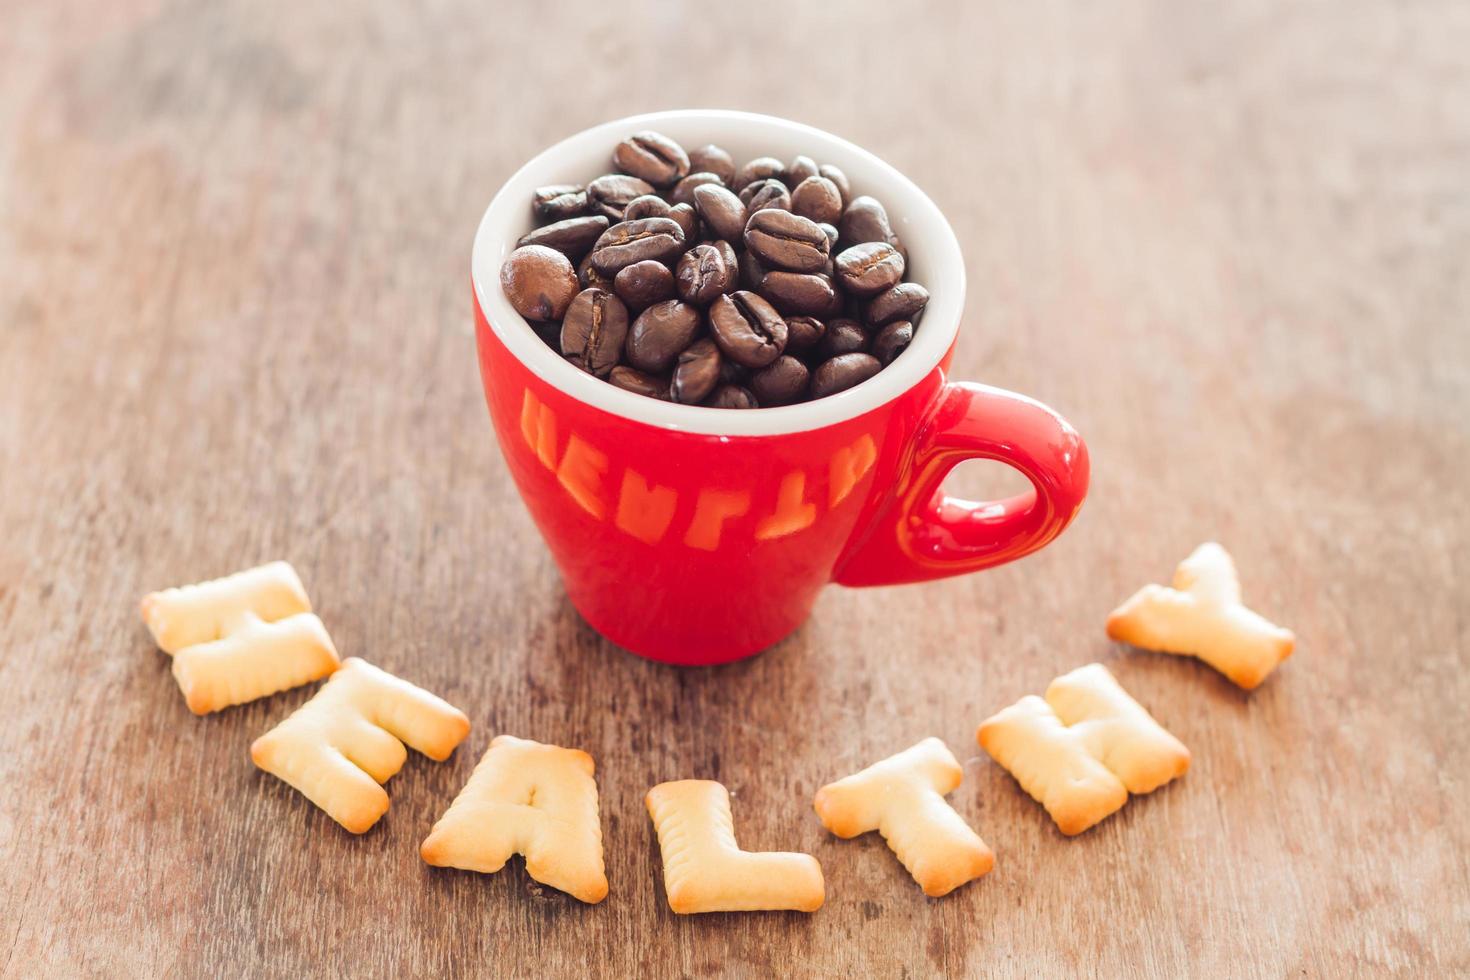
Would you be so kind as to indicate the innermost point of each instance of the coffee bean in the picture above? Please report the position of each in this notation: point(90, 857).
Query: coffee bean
point(539, 282)
point(836, 176)
point(798, 292)
point(765, 194)
point(652, 157)
point(697, 372)
point(843, 372)
point(892, 341)
point(594, 330)
point(688, 221)
point(721, 210)
point(747, 328)
point(817, 198)
point(781, 383)
point(869, 269)
point(897, 244)
point(659, 334)
point(631, 379)
point(830, 230)
point(557, 202)
point(786, 240)
point(706, 271)
point(752, 271)
point(647, 206)
point(572, 237)
point(609, 194)
point(864, 220)
point(803, 333)
point(903, 302)
point(799, 170)
point(731, 396)
point(761, 168)
point(843, 336)
point(635, 241)
point(683, 192)
point(732, 373)
point(588, 277)
point(642, 284)
point(712, 159)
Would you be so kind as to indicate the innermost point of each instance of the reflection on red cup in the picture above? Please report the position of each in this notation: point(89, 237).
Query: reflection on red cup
point(698, 536)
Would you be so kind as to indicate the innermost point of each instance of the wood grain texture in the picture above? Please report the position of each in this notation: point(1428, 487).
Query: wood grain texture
point(1229, 242)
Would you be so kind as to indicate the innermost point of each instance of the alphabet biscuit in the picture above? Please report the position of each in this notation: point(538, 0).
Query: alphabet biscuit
point(339, 746)
point(1083, 749)
point(241, 637)
point(1202, 616)
point(526, 798)
point(704, 868)
point(902, 798)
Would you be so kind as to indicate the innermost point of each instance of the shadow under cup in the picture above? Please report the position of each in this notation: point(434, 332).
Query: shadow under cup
point(697, 536)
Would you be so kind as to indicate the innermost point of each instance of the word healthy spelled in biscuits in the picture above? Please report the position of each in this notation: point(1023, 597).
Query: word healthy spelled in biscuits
point(1080, 751)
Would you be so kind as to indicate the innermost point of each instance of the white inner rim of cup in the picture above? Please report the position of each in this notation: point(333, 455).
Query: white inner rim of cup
point(934, 262)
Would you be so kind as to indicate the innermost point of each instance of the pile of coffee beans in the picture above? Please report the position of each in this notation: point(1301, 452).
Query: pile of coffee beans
point(685, 278)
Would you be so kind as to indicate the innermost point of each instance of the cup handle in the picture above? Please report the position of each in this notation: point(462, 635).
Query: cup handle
point(924, 534)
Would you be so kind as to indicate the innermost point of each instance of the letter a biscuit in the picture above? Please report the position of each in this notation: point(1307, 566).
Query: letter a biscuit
point(902, 798)
point(1202, 616)
point(339, 746)
point(704, 868)
point(1083, 749)
point(526, 798)
point(241, 637)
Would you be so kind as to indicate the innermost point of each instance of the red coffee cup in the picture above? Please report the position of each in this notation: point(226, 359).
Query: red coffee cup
point(696, 535)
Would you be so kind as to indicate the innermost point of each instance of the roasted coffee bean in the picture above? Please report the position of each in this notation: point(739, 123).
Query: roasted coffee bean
point(869, 269)
point(594, 330)
point(897, 244)
point(732, 373)
point(836, 176)
point(803, 333)
point(843, 372)
point(540, 282)
point(798, 292)
point(747, 328)
point(652, 157)
point(731, 396)
point(557, 202)
point(609, 194)
point(588, 277)
point(572, 237)
point(781, 383)
point(830, 230)
point(786, 240)
point(659, 334)
point(642, 284)
point(697, 372)
point(721, 210)
point(707, 271)
point(686, 218)
point(765, 194)
point(761, 168)
point(903, 302)
point(647, 206)
point(864, 220)
point(752, 271)
point(683, 192)
point(627, 242)
point(843, 336)
point(892, 341)
point(711, 159)
point(631, 379)
point(817, 198)
point(799, 170)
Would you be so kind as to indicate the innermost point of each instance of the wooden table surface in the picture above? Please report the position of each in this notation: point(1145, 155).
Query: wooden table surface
point(1231, 244)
